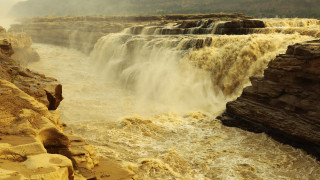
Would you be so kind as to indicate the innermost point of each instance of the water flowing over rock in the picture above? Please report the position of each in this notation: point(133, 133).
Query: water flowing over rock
point(82, 32)
point(285, 102)
point(147, 96)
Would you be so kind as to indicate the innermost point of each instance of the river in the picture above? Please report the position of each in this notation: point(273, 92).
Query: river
point(150, 103)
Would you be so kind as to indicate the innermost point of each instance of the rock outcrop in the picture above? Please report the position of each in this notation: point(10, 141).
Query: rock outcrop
point(239, 27)
point(285, 103)
point(46, 90)
point(5, 47)
point(33, 143)
point(27, 127)
point(18, 45)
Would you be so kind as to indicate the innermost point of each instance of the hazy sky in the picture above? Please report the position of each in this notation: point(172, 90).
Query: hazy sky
point(5, 7)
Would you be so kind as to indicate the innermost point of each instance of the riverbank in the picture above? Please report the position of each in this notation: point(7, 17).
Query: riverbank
point(34, 142)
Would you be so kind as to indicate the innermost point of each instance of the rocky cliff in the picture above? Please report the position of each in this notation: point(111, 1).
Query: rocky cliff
point(285, 101)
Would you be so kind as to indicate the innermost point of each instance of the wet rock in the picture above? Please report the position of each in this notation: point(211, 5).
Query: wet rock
point(239, 26)
point(285, 102)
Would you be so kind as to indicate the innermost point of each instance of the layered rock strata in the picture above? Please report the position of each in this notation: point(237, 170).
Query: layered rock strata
point(285, 103)
point(32, 142)
point(82, 32)
point(27, 127)
point(239, 27)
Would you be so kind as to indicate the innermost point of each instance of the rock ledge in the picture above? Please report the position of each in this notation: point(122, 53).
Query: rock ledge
point(285, 103)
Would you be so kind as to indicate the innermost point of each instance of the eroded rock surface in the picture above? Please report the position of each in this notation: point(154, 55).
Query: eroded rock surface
point(285, 103)
point(46, 90)
point(28, 132)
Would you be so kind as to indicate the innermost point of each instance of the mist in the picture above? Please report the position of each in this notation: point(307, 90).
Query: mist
point(5, 18)
point(256, 8)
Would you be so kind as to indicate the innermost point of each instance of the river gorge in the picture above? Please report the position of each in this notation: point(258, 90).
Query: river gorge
point(147, 95)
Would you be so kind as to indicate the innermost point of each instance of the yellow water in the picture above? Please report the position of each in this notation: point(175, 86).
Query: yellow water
point(151, 104)
point(309, 27)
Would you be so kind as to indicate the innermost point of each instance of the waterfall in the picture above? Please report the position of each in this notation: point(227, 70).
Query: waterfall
point(148, 100)
point(155, 68)
point(187, 72)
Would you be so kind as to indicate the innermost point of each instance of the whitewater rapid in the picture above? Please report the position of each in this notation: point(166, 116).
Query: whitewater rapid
point(151, 103)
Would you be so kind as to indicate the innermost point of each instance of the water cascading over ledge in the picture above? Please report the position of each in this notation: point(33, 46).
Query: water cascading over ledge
point(173, 135)
point(190, 69)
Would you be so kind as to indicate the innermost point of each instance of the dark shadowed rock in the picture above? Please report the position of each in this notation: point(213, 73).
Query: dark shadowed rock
point(285, 103)
point(5, 47)
point(239, 26)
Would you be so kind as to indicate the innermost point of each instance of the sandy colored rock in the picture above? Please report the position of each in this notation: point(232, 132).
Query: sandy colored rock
point(42, 166)
point(29, 130)
point(18, 45)
point(46, 90)
point(5, 47)
point(56, 166)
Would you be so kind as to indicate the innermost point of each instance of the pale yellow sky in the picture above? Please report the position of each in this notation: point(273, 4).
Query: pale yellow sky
point(5, 6)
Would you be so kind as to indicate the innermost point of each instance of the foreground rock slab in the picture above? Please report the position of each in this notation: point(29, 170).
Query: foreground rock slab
point(285, 103)
point(27, 128)
point(35, 144)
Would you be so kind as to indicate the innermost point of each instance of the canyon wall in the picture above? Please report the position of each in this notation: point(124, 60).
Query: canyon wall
point(285, 101)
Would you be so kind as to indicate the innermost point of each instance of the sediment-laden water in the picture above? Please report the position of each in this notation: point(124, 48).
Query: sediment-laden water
point(150, 101)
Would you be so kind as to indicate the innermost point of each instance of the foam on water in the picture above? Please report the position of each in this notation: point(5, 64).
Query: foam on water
point(151, 101)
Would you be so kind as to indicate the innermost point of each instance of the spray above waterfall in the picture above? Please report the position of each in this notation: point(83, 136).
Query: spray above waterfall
point(186, 72)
